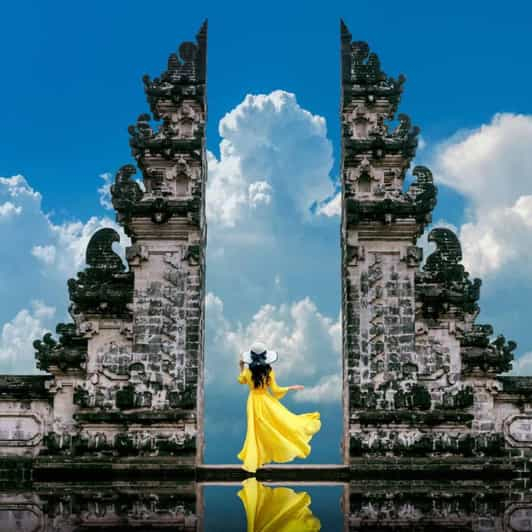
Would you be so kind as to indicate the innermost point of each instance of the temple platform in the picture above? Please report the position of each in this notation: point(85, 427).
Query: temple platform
point(17, 471)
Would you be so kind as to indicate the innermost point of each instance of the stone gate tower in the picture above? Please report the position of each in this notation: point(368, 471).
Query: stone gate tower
point(126, 376)
point(380, 225)
point(421, 378)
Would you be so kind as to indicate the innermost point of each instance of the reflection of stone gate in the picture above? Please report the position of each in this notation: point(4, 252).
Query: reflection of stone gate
point(475, 506)
point(422, 390)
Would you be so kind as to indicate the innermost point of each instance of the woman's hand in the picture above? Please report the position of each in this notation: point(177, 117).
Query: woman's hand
point(241, 364)
point(296, 387)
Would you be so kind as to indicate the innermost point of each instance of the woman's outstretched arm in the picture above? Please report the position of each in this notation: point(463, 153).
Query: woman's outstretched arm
point(242, 377)
point(280, 391)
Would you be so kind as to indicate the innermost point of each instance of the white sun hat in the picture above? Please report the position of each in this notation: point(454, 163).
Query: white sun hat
point(258, 348)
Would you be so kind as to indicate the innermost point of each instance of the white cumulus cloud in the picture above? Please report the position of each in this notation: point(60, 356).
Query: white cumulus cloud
point(105, 191)
point(45, 253)
point(308, 344)
point(522, 365)
point(7, 209)
point(492, 167)
point(327, 390)
point(259, 192)
point(272, 150)
point(17, 336)
point(331, 207)
point(274, 167)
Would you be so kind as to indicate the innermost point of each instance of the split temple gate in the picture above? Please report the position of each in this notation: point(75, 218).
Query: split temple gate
point(423, 395)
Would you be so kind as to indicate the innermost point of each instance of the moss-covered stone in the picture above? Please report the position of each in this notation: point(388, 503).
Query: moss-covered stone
point(125, 397)
point(438, 443)
point(413, 417)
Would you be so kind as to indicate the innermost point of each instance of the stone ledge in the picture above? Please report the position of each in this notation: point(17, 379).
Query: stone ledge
point(412, 417)
point(59, 469)
point(149, 417)
point(286, 473)
point(516, 385)
point(24, 387)
point(430, 468)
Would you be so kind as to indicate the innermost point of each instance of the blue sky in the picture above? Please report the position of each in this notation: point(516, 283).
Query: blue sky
point(72, 85)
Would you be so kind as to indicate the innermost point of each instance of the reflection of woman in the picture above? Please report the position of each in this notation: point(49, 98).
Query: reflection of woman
point(274, 434)
point(276, 509)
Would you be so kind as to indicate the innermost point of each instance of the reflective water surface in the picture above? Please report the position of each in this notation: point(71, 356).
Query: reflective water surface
point(254, 506)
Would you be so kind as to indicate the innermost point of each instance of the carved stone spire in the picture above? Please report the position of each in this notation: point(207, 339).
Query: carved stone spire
point(163, 210)
point(169, 143)
point(377, 152)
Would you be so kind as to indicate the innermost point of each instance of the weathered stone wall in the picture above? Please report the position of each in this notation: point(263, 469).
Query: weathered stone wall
point(127, 373)
point(420, 376)
point(25, 414)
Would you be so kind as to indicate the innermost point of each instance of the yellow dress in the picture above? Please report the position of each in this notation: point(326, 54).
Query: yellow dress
point(274, 434)
point(276, 509)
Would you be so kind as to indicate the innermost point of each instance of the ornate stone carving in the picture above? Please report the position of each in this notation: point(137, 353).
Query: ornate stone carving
point(184, 77)
point(25, 387)
point(444, 283)
point(417, 203)
point(133, 443)
point(518, 430)
point(437, 443)
point(167, 141)
point(104, 287)
point(362, 74)
point(495, 358)
point(19, 429)
point(145, 507)
point(68, 353)
point(125, 193)
point(424, 193)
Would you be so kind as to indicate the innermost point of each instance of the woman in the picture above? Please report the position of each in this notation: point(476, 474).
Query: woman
point(274, 434)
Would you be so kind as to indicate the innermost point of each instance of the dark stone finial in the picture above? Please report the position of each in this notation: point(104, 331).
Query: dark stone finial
point(480, 355)
point(448, 249)
point(125, 173)
point(100, 254)
point(362, 74)
point(424, 192)
point(186, 69)
point(344, 30)
point(125, 192)
point(67, 353)
point(104, 287)
point(444, 281)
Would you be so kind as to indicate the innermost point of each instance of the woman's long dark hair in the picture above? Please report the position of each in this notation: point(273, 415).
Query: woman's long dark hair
point(260, 370)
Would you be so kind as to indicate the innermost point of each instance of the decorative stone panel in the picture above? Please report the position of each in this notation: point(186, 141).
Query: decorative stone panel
point(20, 430)
point(518, 430)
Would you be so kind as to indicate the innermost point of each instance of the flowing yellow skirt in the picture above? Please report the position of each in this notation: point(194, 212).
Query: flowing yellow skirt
point(274, 434)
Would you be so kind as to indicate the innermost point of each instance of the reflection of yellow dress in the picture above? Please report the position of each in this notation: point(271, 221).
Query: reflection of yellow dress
point(276, 509)
point(274, 434)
